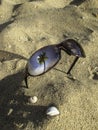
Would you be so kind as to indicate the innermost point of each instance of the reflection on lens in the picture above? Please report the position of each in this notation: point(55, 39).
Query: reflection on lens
point(43, 60)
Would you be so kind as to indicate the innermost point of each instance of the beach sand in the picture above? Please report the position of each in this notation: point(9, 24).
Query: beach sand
point(26, 26)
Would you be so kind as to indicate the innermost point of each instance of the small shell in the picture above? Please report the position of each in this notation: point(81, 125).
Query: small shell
point(33, 99)
point(52, 111)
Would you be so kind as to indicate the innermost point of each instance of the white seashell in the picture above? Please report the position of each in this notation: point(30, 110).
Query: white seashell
point(33, 99)
point(52, 111)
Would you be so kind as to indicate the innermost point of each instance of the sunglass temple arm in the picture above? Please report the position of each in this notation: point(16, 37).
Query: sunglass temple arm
point(72, 65)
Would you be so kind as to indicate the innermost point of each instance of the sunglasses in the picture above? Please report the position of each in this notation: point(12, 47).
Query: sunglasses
point(47, 57)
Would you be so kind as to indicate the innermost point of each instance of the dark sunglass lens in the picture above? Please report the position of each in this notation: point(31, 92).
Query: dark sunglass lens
point(43, 60)
point(72, 48)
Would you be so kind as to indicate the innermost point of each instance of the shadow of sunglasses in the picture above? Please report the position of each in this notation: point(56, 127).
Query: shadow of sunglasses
point(47, 57)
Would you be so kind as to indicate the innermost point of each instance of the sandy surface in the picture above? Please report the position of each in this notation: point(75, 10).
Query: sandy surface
point(27, 25)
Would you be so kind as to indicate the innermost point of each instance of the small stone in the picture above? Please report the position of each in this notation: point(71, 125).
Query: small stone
point(10, 111)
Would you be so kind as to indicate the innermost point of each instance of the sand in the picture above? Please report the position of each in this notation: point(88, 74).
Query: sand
point(27, 25)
